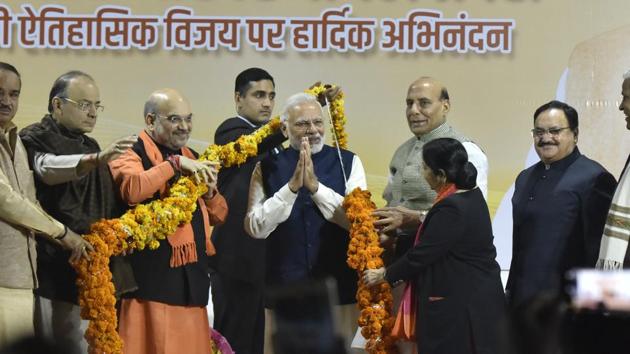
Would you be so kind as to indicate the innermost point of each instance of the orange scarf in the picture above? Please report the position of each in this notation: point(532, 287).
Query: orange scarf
point(182, 241)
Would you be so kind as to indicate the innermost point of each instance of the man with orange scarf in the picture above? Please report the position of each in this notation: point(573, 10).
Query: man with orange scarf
point(173, 281)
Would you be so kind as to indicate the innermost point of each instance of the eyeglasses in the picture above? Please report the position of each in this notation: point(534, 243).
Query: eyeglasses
point(85, 105)
point(540, 132)
point(305, 124)
point(175, 119)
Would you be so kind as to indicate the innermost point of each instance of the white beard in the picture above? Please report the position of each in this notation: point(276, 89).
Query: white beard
point(315, 148)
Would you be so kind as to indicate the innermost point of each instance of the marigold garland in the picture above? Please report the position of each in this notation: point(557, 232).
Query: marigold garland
point(337, 113)
point(141, 227)
point(364, 252)
point(237, 152)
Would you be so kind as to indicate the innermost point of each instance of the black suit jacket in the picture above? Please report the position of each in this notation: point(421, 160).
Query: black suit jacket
point(558, 216)
point(239, 255)
point(455, 260)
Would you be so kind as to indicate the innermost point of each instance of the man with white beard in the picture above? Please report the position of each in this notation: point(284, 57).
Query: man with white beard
point(295, 203)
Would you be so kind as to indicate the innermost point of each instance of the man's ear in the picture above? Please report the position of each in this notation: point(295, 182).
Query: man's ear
point(56, 103)
point(149, 120)
point(237, 100)
point(446, 106)
point(284, 128)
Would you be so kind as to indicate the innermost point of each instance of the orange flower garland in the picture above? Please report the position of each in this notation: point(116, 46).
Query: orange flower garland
point(144, 226)
point(364, 252)
point(337, 113)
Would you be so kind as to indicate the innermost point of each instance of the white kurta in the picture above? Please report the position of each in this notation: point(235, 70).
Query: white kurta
point(265, 213)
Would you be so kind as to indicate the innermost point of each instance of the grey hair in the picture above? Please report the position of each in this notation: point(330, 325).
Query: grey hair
point(626, 75)
point(295, 100)
point(60, 86)
point(150, 106)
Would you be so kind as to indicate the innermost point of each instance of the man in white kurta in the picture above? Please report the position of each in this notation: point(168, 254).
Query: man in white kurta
point(295, 203)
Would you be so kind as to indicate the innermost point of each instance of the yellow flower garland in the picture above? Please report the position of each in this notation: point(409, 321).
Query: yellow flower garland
point(144, 226)
point(147, 224)
point(337, 113)
point(364, 252)
point(237, 152)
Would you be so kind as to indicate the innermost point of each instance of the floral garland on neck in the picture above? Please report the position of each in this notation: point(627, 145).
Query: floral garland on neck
point(337, 115)
point(146, 224)
point(141, 227)
point(364, 252)
point(246, 146)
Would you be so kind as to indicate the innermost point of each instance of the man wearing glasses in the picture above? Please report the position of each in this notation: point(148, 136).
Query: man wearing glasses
point(167, 313)
point(73, 185)
point(295, 204)
point(239, 275)
point(21, 219)
point(559, 208)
